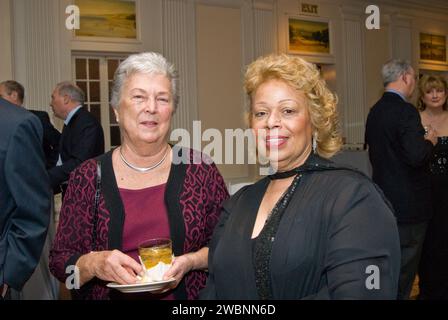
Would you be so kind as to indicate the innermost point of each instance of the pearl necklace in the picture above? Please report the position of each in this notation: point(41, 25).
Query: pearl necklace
point(141, 169)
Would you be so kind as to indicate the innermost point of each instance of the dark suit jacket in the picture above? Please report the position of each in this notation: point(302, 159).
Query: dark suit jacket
point(399, 155)
point(51, 138)
point(24, 194)
point(81, 140)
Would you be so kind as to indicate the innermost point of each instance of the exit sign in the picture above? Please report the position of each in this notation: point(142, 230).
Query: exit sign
point(309, 8)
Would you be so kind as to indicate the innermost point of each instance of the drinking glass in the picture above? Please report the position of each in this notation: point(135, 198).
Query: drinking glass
point(155, 251)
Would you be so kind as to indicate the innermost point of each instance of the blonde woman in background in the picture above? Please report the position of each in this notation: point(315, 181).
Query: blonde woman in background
point(433, 271)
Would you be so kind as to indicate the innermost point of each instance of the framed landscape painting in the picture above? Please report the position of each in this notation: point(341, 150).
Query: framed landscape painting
point(306, 36)
point(433, 48)
point(107, 19)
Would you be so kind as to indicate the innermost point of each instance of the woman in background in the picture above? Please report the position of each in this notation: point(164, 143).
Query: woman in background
point(433, 270)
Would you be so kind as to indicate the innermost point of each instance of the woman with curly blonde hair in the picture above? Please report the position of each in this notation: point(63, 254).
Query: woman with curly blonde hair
point(313, 229)
point(433, 269)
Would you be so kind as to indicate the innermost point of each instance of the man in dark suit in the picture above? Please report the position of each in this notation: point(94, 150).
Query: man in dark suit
point(82, 137)
point(41, 285)
point(399, 151)
point(24, 198)
point(15, 93)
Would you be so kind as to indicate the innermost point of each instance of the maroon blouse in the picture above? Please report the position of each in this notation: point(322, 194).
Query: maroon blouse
point(146, 217)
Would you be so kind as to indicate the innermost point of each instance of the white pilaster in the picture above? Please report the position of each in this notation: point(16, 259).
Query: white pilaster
point(354, 108)
point(265, 30)
point(35, 50)
point(179, 46)
point(401, 38)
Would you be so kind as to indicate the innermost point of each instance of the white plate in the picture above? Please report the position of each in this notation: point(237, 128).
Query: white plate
point(141, 287)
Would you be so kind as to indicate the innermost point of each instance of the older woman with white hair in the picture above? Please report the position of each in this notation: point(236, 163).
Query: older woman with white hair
point(137, 192)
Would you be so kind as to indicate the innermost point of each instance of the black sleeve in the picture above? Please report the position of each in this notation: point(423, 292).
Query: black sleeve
point(51, 134)
point(88, 138)
point(28, 182)
point(209, 292)
point(52, 145)
point(416, 150)
point(363, 257)
point(50, 141)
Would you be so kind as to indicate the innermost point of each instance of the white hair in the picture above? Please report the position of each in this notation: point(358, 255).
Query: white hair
point(146, 62)
point(393, 69)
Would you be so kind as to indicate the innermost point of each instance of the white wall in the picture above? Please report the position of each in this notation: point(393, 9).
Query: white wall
point(359, 53)
point(6, 65)
point(377, 51)
point(219, 62)
point(36, 50)
point(35, 46)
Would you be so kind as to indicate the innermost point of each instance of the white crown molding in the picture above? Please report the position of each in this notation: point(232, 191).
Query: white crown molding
point(268, 5)
point(427, 5)
point(221, 3)
point(433, 9)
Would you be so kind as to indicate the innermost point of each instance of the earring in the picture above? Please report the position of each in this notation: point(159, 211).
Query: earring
point(314, 142)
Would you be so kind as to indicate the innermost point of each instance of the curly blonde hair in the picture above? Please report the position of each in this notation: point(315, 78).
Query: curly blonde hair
point(302, 76)
point(428, 82)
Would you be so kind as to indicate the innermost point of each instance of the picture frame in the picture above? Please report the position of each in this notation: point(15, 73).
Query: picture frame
point(433, 48)
point(309, 36)
point(108, 20)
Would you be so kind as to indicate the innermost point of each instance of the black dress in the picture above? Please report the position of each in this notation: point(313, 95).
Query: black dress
point(434, 263)
point(334, 231)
